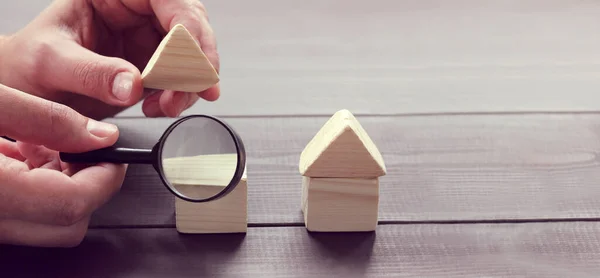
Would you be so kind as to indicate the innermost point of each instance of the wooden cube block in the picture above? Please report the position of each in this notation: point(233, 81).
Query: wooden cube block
point(206, 175)
point(228, 214)
point(340, 204)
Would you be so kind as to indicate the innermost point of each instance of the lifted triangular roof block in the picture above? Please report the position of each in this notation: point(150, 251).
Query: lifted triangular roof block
point(179, 64)
point(342, 149)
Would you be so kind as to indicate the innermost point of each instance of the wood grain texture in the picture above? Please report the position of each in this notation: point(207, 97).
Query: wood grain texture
point(179, 64)
point(472, 167)
point(228, 214)
point(341, 149)
point(200, 176)
point(404, 56)
point(499, 250)
point(340, 204)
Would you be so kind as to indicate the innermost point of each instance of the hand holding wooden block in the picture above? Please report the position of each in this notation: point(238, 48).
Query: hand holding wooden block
point(341, 167)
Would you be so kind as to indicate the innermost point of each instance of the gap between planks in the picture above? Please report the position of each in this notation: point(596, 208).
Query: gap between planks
point(433, 114)
point(395, 222)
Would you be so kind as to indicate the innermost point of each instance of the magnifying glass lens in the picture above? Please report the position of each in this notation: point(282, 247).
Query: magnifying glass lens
point(199, 158)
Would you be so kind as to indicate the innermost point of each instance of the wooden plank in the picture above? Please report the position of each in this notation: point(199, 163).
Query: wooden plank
point(468, 167)
point(502, 250)
point(404, 56)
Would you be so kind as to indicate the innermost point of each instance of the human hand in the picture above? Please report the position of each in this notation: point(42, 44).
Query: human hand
point(44, 201)
point(89, 54)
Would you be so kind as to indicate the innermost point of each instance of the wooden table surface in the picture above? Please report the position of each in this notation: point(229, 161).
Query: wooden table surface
point(486, 113)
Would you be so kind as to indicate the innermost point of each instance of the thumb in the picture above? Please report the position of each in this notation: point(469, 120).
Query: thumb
point(112, 80)
point(34, 120)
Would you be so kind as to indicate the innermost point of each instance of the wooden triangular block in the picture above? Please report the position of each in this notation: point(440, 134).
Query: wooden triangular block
point(342, 149)
point(179, 64)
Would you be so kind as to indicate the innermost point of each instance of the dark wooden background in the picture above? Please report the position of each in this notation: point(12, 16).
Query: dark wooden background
point(484, 111)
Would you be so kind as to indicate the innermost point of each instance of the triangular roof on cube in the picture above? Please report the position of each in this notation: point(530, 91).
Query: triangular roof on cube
point(179, 64)
point(342, 149)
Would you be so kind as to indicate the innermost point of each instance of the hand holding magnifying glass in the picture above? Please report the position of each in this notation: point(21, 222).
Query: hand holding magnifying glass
point(198, 158)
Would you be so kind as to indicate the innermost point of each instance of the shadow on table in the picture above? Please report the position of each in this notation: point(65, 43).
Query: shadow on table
point(125, 252)
point(349, 250)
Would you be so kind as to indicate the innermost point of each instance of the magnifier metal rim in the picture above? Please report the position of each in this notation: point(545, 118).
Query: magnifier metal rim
point(241, 159)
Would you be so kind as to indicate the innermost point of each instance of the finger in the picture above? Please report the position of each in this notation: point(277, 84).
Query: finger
point(151, 106)
point(140, 44)
point(67, 66)
point(211, 94)
point(191, 14)
point(168, 103)
point(10, 149)
point(50, 197)
point(99, 183)
point(17, 232)
point(37, 121)
point(172, 104)
point(116, 15)
point(192, 99)
point(39, 156)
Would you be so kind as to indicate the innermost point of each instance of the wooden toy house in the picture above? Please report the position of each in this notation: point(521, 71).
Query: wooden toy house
point(340, 170)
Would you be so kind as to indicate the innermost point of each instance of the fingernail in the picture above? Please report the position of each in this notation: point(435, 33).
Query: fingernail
point(101, 129)
point(122, 85)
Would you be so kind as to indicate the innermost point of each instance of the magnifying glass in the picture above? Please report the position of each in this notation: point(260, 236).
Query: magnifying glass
point(199, 158)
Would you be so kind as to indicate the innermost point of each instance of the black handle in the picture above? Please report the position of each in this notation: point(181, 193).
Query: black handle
point(111, 155)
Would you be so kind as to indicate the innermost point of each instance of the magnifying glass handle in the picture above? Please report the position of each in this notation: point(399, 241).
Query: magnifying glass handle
point(111, 155)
